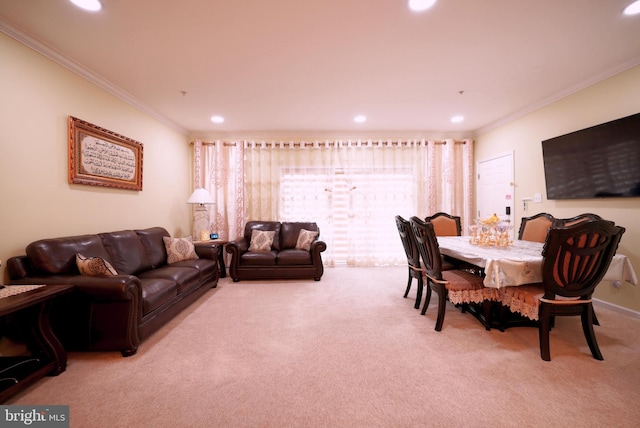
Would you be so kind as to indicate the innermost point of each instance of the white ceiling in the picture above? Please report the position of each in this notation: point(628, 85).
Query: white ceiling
point(301, 66)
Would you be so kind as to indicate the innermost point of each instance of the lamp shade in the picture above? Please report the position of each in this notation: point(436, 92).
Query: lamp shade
point(200, 196)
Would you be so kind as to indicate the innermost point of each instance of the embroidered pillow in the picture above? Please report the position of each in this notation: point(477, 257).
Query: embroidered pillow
point(94, 266)
point(179, 249)
point(305, 238)
point(261, 240)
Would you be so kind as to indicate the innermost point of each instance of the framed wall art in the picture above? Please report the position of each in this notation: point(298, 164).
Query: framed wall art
point(99, 157)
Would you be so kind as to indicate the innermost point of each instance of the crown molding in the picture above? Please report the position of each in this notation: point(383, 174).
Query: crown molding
point(604, 75)
point(57, 57)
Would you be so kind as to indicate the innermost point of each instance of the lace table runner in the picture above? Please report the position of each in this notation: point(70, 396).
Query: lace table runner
point(12, 290)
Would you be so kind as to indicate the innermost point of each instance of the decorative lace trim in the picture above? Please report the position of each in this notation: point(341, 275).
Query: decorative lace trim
point(524, 300)
point(473, 296)
point(12, 290)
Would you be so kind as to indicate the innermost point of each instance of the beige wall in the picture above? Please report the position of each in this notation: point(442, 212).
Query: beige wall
point(37, 96)
point(611, 99)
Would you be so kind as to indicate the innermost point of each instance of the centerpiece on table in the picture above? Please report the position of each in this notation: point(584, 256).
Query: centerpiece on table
point(491, 231)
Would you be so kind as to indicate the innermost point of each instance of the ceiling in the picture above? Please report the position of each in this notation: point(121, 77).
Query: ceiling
point(311, 66)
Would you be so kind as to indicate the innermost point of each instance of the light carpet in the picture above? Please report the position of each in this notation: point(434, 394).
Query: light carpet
point(350, 351)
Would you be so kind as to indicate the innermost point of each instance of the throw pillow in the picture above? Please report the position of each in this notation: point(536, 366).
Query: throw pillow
point(94, 266)
point(179, 249)
point(261, 240)
point(305, 238)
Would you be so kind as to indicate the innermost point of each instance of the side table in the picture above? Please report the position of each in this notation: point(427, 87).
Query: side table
point(220, 243)
point(30, 309)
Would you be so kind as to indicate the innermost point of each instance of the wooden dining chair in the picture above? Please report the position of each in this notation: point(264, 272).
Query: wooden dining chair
point(564, 222)
point(575, 259)
point(458, 286)
point(445, 224)
point(450, 225)
point(413, 258)
point(535, 228)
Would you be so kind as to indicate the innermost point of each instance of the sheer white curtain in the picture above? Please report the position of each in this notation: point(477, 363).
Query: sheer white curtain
point(352, 189)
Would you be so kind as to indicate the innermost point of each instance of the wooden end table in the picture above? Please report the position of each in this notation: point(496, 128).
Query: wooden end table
point(31, 309)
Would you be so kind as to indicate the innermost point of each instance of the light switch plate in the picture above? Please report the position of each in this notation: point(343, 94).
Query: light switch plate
point(537, 197)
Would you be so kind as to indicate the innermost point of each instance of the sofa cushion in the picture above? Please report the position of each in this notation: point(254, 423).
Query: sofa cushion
point(126, 252)
point(258, 258)
point(305, 238)
point(208, 268)
point(179, 249)
point(156, 292)
point(57, 256)
point(94, 266)
point(290, 232)
point(261, 240)
point(293, 258)
point(184, 276)
point(151, 239)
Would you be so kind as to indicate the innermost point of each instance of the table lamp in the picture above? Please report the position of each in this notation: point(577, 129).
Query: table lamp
point(200, 197)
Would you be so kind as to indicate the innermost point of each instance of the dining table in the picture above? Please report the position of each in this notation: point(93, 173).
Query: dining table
point(520, 262)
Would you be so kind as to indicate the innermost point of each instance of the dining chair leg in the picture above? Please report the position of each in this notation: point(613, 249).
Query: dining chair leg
point(427, 299)
point(419, 293)
point(543, 331)
point(406, 292)
point(595, 319)
point(587, 327)
point(442, 306)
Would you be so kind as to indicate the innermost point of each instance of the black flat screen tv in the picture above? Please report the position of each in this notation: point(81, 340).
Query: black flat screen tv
point(598, 162)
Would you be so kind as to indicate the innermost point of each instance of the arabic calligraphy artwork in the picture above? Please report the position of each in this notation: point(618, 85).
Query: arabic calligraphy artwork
point(99, 157)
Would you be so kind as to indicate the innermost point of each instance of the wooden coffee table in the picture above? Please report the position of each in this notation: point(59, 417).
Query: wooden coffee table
point(30, 309)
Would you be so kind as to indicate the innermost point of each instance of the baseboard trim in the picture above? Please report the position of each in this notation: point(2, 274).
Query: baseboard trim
point(617, 308)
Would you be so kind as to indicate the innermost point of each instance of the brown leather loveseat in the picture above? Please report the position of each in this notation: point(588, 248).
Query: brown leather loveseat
point(111, 312)
point(287, 256)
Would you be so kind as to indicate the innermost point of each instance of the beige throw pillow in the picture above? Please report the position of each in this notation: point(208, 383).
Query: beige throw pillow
point(305, 238)
point(179, 249)
point(261, 240)
point(94, 266)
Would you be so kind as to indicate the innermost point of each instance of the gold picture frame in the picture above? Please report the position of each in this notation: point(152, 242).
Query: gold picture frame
point(99, 157)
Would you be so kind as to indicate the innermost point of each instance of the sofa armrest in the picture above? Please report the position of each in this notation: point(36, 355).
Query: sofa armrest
point(18, 267)
point(111, 314)
point(118, 287)
point(316, 248)
point(207, 250)
point(236, 249)
point(240, 246)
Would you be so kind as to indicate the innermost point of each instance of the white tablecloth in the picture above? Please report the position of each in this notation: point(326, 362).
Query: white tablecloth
point(520, 263)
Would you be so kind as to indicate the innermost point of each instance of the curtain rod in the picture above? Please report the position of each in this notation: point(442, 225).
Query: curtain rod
point(327, 143)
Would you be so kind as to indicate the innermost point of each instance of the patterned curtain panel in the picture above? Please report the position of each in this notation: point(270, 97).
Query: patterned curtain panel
point(352, 189)
point(219, 168)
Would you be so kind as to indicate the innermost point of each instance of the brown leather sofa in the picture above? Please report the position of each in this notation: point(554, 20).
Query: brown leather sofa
point(109, 313)
point(282, 260)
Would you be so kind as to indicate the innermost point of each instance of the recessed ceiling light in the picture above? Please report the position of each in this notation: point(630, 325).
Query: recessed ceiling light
point(457, 119)
point(360, 118)
point(633, 8)
point(420, 5)
point(90, 5)
point(217, 119)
